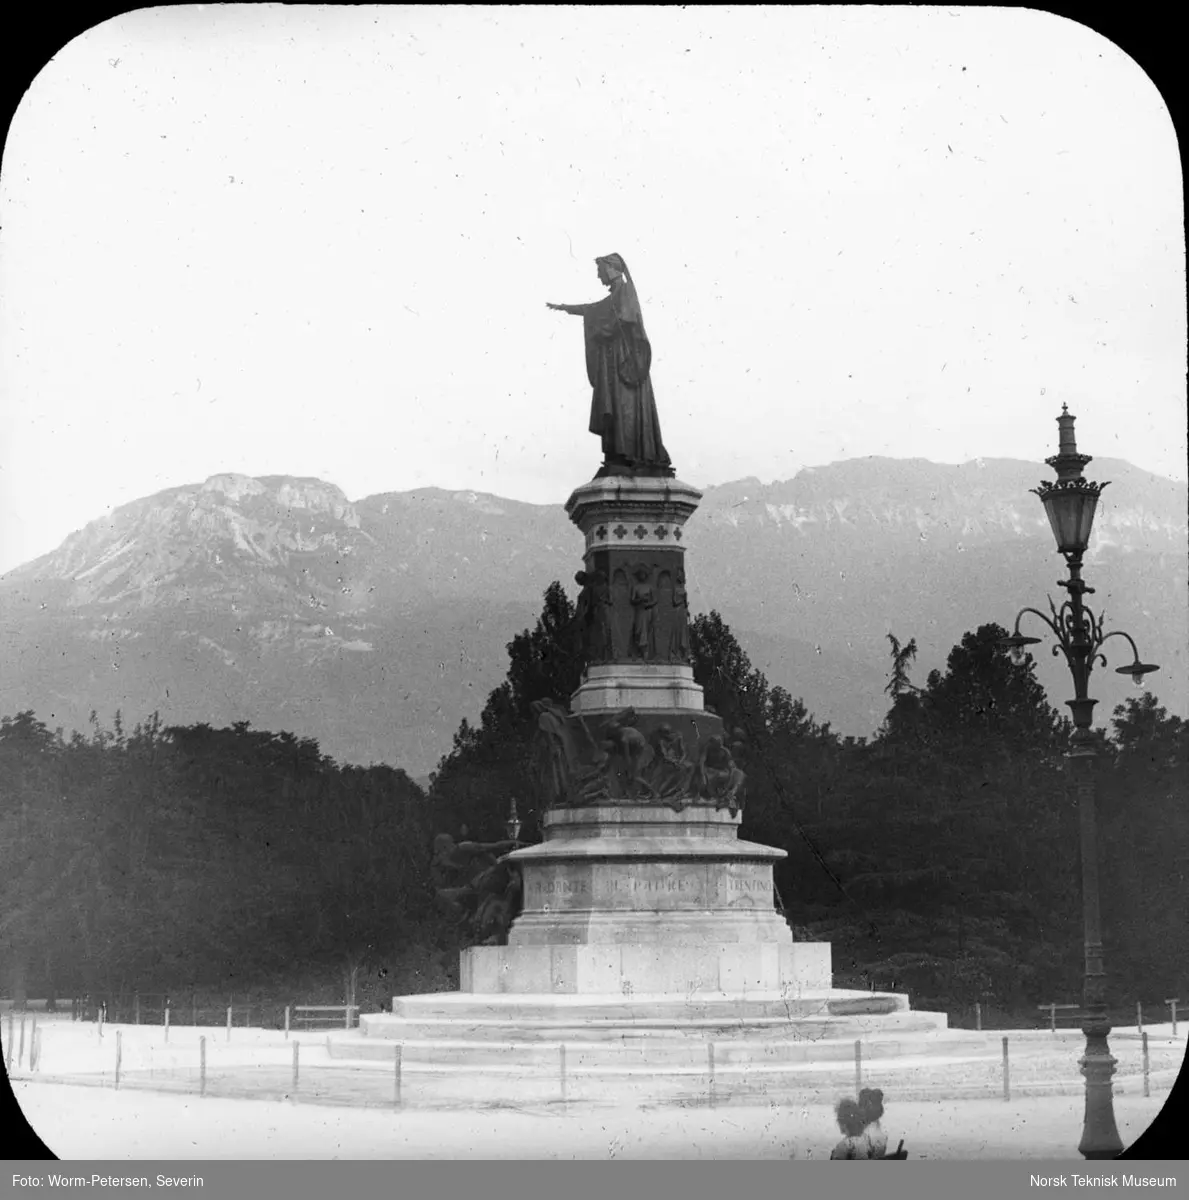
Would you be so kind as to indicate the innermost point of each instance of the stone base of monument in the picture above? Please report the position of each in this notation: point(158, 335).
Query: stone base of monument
point(688, 970)
point(642, 686)
point(830, 1014)
point(460, 1049)
point(648, 934)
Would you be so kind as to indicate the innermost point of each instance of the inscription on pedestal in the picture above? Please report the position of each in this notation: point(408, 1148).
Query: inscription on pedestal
point(640, 887)
point(648, 886)
point(559, 887)
point(745, 885)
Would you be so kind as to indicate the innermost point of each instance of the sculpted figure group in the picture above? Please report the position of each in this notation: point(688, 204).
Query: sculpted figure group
point(618, 760)
point(472, 884)
point(642, 615)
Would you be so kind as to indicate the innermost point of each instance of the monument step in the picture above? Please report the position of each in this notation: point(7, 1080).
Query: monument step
point(639, 1011)
point(808, 1032)
point(681, 1051)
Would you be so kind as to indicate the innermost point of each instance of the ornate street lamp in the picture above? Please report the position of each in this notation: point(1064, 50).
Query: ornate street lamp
point(512, 824)
point(1070, 503)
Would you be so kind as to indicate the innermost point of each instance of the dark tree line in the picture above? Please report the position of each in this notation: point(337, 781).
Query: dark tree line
point(167, 857)
point(939, 856)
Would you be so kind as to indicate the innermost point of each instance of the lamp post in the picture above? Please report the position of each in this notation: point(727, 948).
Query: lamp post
point(1070, 503)
point(512, 824)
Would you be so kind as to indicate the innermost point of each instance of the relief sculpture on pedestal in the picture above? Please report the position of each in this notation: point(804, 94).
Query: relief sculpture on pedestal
point(643, 601)
point(630, 756)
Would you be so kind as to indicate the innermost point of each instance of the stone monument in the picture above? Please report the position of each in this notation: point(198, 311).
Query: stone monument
point(642, 907)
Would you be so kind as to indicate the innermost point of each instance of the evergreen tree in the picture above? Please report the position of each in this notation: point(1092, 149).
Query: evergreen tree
point(951, 832)
point(488, 764)
point(1144, 835)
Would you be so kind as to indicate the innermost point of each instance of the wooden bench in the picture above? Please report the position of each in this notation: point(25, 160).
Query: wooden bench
point(319, 1016)
point(1052, 1010)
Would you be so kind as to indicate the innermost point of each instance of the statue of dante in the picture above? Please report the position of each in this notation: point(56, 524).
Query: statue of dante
point(618, 361)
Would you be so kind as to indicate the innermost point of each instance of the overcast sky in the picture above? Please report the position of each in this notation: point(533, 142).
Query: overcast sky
point(293, 240)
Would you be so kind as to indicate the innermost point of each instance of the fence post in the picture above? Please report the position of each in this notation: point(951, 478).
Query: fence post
point(100, 1014)
point(35, 1049)
point(229, 1022)
point(1139, 1017)
point(1053, 1018)
point(1147, 1080)
point(561, 1058)
point(32, 1038)
point(296, 1048)
point(136, 1007)
point(21, 1046)
point(286, 1022)
point(978, 1016)
point(193, 1008)
point(167, 1022)
point(119, 1055)
point(1172, 1004)
point(8, 1047)
point(858, 1066)
point(713, 1091)
point(1006, 1073)
point(396, 1076)
point(202, 1065)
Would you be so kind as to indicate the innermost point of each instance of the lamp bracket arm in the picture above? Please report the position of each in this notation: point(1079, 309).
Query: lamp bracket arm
point(1052, 624)
point(1117, 633)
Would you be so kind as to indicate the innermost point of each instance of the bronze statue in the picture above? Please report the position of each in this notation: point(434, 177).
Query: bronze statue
point(473, 885)
point(592, 615)
point(568, 765)
point(670, 772)
point(618, 365)
point(717, 777)
point(679, 629)
point(643, 601)
point(498, 906)
point(629, 751)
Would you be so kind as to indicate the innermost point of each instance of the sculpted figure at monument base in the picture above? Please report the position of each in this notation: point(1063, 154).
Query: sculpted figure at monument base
point(475, 884)
point(676, 757)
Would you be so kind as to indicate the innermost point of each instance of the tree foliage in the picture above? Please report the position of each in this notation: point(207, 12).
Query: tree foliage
point(941, 856)
point(196, 854)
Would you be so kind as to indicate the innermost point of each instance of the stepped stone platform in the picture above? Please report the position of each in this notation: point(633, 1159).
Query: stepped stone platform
point(457, 1026)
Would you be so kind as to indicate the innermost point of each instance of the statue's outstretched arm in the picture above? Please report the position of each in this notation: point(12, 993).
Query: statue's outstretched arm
point(575, 310)
point(473, 848)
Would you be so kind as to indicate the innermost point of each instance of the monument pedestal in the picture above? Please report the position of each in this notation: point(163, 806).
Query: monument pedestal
point(645, 900)
point(643, 912)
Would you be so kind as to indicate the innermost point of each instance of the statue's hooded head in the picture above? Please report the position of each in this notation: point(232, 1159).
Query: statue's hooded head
point(627, 302)
point(613, 262)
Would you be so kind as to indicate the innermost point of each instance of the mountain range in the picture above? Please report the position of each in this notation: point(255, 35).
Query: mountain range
point(375, 626)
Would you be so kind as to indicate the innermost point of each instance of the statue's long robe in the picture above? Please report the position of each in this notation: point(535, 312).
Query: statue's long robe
point(618, 361)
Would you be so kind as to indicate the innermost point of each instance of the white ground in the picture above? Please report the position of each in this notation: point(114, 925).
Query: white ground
point(99, 1123)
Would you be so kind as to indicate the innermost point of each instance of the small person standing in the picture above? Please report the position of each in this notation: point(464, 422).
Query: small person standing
point(851, 1121)
point(871, 1109)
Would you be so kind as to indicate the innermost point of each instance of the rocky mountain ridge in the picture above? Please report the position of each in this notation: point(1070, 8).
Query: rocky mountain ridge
point(376, 625)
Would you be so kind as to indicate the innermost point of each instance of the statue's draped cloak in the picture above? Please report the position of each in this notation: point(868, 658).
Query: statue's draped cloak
point(618, 361)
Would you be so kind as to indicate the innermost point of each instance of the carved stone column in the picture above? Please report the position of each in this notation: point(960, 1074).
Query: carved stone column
point(635, 548)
